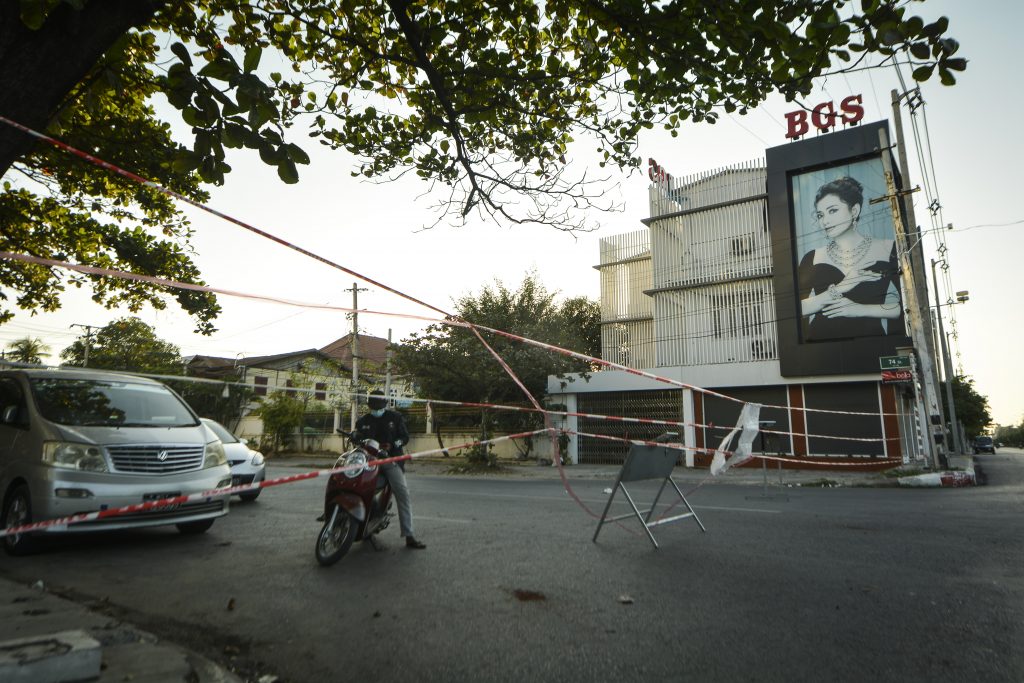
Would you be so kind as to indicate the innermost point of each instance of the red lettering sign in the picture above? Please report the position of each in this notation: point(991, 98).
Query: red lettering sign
point(824, 116)
point(896, 376)
point(657, 173)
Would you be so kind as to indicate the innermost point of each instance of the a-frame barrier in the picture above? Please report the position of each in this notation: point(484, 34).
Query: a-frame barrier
point(644, 463)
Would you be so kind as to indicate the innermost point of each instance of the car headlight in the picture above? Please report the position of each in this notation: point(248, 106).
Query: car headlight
point(257, 458)
point(356, 462)
point(215, 454)
point(74, 456)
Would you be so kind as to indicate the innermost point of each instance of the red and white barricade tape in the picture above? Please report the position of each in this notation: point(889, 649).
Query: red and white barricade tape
point(63, 522)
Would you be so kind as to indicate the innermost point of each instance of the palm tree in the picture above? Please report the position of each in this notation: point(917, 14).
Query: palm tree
point(28, 350)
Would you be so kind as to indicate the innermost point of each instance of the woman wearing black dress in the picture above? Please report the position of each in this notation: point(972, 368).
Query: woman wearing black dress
point(851, 285)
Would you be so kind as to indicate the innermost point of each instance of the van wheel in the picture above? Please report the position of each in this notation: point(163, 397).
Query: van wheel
point(18, 511)
point(192, 528)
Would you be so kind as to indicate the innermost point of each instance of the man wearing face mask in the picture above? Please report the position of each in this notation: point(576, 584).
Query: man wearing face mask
point(387, 427)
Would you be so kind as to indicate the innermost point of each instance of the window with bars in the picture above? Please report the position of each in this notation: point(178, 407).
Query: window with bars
point(261, 385)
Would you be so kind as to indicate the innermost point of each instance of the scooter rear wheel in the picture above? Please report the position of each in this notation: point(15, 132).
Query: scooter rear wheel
point(335, 539)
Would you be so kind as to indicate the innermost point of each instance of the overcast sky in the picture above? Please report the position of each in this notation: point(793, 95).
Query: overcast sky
point(377, 229)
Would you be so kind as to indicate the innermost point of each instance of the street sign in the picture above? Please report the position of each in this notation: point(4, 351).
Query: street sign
point(893, 362)
point(896, 376)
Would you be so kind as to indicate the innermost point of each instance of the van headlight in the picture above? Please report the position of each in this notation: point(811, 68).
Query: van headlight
point(215, 454)
point(74, 456)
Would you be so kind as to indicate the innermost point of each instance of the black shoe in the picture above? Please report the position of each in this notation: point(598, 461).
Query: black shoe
point(411, 542)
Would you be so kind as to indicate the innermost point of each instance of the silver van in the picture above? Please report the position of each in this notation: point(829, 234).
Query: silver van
point(78, 441)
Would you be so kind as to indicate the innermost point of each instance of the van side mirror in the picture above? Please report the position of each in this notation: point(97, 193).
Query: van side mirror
point(10, 415)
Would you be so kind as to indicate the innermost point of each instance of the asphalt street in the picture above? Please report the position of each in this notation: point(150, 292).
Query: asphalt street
point(805, 584)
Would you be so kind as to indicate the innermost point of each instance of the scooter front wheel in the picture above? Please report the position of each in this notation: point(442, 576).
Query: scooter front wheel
point(336, 537)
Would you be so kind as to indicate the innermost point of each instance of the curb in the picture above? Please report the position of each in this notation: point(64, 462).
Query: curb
point(948, 479)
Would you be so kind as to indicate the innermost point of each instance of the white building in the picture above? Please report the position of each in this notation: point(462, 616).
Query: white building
point(694, 297)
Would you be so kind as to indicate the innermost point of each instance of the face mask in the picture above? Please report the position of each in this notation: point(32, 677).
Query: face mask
point(377, 413)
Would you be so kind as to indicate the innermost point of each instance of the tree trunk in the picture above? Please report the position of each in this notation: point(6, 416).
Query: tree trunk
point(38, 68)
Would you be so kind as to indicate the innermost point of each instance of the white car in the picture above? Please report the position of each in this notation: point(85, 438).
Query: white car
point(247, 465)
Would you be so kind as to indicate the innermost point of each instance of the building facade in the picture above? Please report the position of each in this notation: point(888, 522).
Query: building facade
point(714, 294)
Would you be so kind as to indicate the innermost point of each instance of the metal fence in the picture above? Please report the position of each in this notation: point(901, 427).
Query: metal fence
point(660, 404)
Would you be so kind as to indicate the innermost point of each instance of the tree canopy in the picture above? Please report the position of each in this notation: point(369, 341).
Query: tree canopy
point(972, 408)
point(27, 350)
point(130, 345)
point(127, 345)
point(480, 98)
point(449, 362)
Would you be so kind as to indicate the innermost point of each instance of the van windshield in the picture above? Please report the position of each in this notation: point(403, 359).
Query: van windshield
point(83, 403)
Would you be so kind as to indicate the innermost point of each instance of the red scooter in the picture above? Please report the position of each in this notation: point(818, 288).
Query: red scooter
point(357, 504)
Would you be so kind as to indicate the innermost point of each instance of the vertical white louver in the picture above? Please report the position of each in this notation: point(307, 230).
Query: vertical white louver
point(705, 264)
point(722, 323)
point(627, 327)
point(712, 269)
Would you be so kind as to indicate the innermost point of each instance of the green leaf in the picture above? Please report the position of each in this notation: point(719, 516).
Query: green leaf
point(936, 28)
point(221, 69)
point(33, 13)
point(181, 53)
point(287, 172)
point(920, 50)
point(252, 58)
point(956, 64)
point(444, 146)
point(296, 154)
point(923, 73)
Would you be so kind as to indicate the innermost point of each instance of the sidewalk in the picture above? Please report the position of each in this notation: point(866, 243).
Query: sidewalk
point(960, 474)
point(45, 638)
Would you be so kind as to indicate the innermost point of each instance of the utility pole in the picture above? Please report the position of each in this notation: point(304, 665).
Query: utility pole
point(88, 342)
point(913, 229)
point(387, 368)
point(913, 304)
point(954, 432)
point(354, 407)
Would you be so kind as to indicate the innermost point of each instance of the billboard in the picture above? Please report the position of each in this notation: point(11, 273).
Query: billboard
point(836, 274)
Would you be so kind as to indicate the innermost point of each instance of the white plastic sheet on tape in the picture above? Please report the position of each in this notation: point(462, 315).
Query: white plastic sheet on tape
point(748, 427)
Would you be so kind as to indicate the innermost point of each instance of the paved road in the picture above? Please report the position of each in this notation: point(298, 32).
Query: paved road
point(842, 584)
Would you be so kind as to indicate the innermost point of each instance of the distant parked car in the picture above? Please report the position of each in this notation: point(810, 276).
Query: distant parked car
point(79, 441)
point(984, 444)
point(247, 465)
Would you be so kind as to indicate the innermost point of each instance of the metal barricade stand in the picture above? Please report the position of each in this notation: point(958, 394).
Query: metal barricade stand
point(763, 424)
point(645, 463)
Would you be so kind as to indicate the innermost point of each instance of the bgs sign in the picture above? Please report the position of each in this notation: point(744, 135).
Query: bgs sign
point(824, 116)
point(658, 174)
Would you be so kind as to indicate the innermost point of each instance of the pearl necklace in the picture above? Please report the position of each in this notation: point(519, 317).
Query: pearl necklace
point(848, 257)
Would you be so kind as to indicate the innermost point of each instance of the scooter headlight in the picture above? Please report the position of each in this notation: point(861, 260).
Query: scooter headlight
point(355, 463)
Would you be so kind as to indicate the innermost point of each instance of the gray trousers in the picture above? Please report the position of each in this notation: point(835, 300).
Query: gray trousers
point(396, 478)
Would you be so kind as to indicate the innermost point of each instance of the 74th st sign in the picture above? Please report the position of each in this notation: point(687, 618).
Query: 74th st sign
point(894, 362)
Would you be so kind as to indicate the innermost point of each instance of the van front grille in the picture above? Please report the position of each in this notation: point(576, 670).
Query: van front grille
point(145, 459)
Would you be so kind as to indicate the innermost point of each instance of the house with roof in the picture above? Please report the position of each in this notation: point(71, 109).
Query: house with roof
point(322, 378)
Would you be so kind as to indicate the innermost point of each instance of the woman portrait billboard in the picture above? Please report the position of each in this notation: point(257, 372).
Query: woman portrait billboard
point(847, 273)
